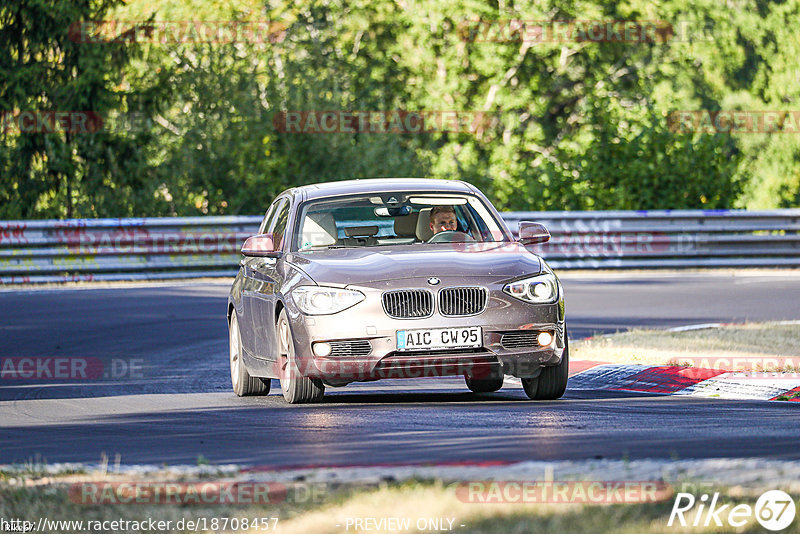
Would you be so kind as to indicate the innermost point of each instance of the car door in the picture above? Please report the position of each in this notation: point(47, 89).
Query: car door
point(268, 280)
point(251, 286)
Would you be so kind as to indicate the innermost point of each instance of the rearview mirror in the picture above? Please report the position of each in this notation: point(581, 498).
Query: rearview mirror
point(260, 246)
point(392, 212)
point(531, 233)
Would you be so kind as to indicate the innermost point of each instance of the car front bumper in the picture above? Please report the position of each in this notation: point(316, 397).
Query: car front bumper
point(368, 322)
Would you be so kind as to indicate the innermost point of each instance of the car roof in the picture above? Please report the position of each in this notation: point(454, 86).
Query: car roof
point(382, 185)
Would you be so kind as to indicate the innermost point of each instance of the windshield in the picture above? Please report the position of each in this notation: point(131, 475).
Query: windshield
point(395, 219)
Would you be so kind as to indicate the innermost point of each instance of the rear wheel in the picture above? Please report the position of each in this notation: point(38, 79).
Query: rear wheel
point(243, 384)
point(296, 388)
point(551, 382)
point(484, 385)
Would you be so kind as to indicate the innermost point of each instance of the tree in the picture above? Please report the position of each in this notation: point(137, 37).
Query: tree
point(83, 168)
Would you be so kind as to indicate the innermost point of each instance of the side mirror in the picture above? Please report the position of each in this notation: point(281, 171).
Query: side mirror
point(531, 233)
point(260, 246)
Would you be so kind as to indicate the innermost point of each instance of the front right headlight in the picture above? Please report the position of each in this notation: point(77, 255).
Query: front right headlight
point(539, 289)
point(320, 300)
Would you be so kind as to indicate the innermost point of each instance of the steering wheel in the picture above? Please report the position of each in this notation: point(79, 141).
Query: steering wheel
point(451, 236)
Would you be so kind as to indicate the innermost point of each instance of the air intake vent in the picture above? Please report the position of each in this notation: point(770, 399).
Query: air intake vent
point(347, 348)
point(457, 301)
point(519, 339)
point(408, 303)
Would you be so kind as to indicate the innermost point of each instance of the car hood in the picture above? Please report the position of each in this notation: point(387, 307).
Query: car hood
point(342, 267)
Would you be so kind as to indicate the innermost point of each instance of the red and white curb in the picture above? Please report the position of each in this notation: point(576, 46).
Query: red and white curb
point(679, 380)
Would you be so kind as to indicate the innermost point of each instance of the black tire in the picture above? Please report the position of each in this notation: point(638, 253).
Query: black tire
point(484, 385)
point(243, 384)
point(296, 388)
point(552, 382)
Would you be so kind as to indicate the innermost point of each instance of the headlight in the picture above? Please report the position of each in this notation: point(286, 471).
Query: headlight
point(313, 300)
point(540, 289)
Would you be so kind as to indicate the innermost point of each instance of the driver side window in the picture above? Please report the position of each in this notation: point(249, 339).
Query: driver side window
point(268, 217)
point(275, 220)
point(278, 227)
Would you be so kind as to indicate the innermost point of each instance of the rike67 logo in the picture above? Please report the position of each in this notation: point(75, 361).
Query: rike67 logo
point(774, 510)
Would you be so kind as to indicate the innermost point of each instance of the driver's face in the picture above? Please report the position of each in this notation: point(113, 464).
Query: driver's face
point(443, 221)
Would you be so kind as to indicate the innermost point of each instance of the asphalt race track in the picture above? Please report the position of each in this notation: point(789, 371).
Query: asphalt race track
point(163, 394)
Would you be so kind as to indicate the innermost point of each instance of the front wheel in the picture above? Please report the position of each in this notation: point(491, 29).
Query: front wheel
point(296, 388)
point(243, 384)
point(551, 382)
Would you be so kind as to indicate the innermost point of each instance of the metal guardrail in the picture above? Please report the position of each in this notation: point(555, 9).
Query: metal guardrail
point(668, 238)
point(122, 249)
point(173, 247)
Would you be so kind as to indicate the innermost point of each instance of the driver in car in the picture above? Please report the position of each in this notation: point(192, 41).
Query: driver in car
point(443, 218)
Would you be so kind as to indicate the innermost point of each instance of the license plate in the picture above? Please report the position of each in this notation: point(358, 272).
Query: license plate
point(439, 338)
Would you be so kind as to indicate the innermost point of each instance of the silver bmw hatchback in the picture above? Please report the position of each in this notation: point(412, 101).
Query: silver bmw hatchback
point(393, 278)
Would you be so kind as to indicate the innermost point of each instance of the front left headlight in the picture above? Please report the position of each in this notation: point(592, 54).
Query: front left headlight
point(316, 300)
point(539, 289)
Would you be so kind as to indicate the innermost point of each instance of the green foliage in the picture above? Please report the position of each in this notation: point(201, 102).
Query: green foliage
point(224, 149)
point(45, 68)
point(574, 125)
